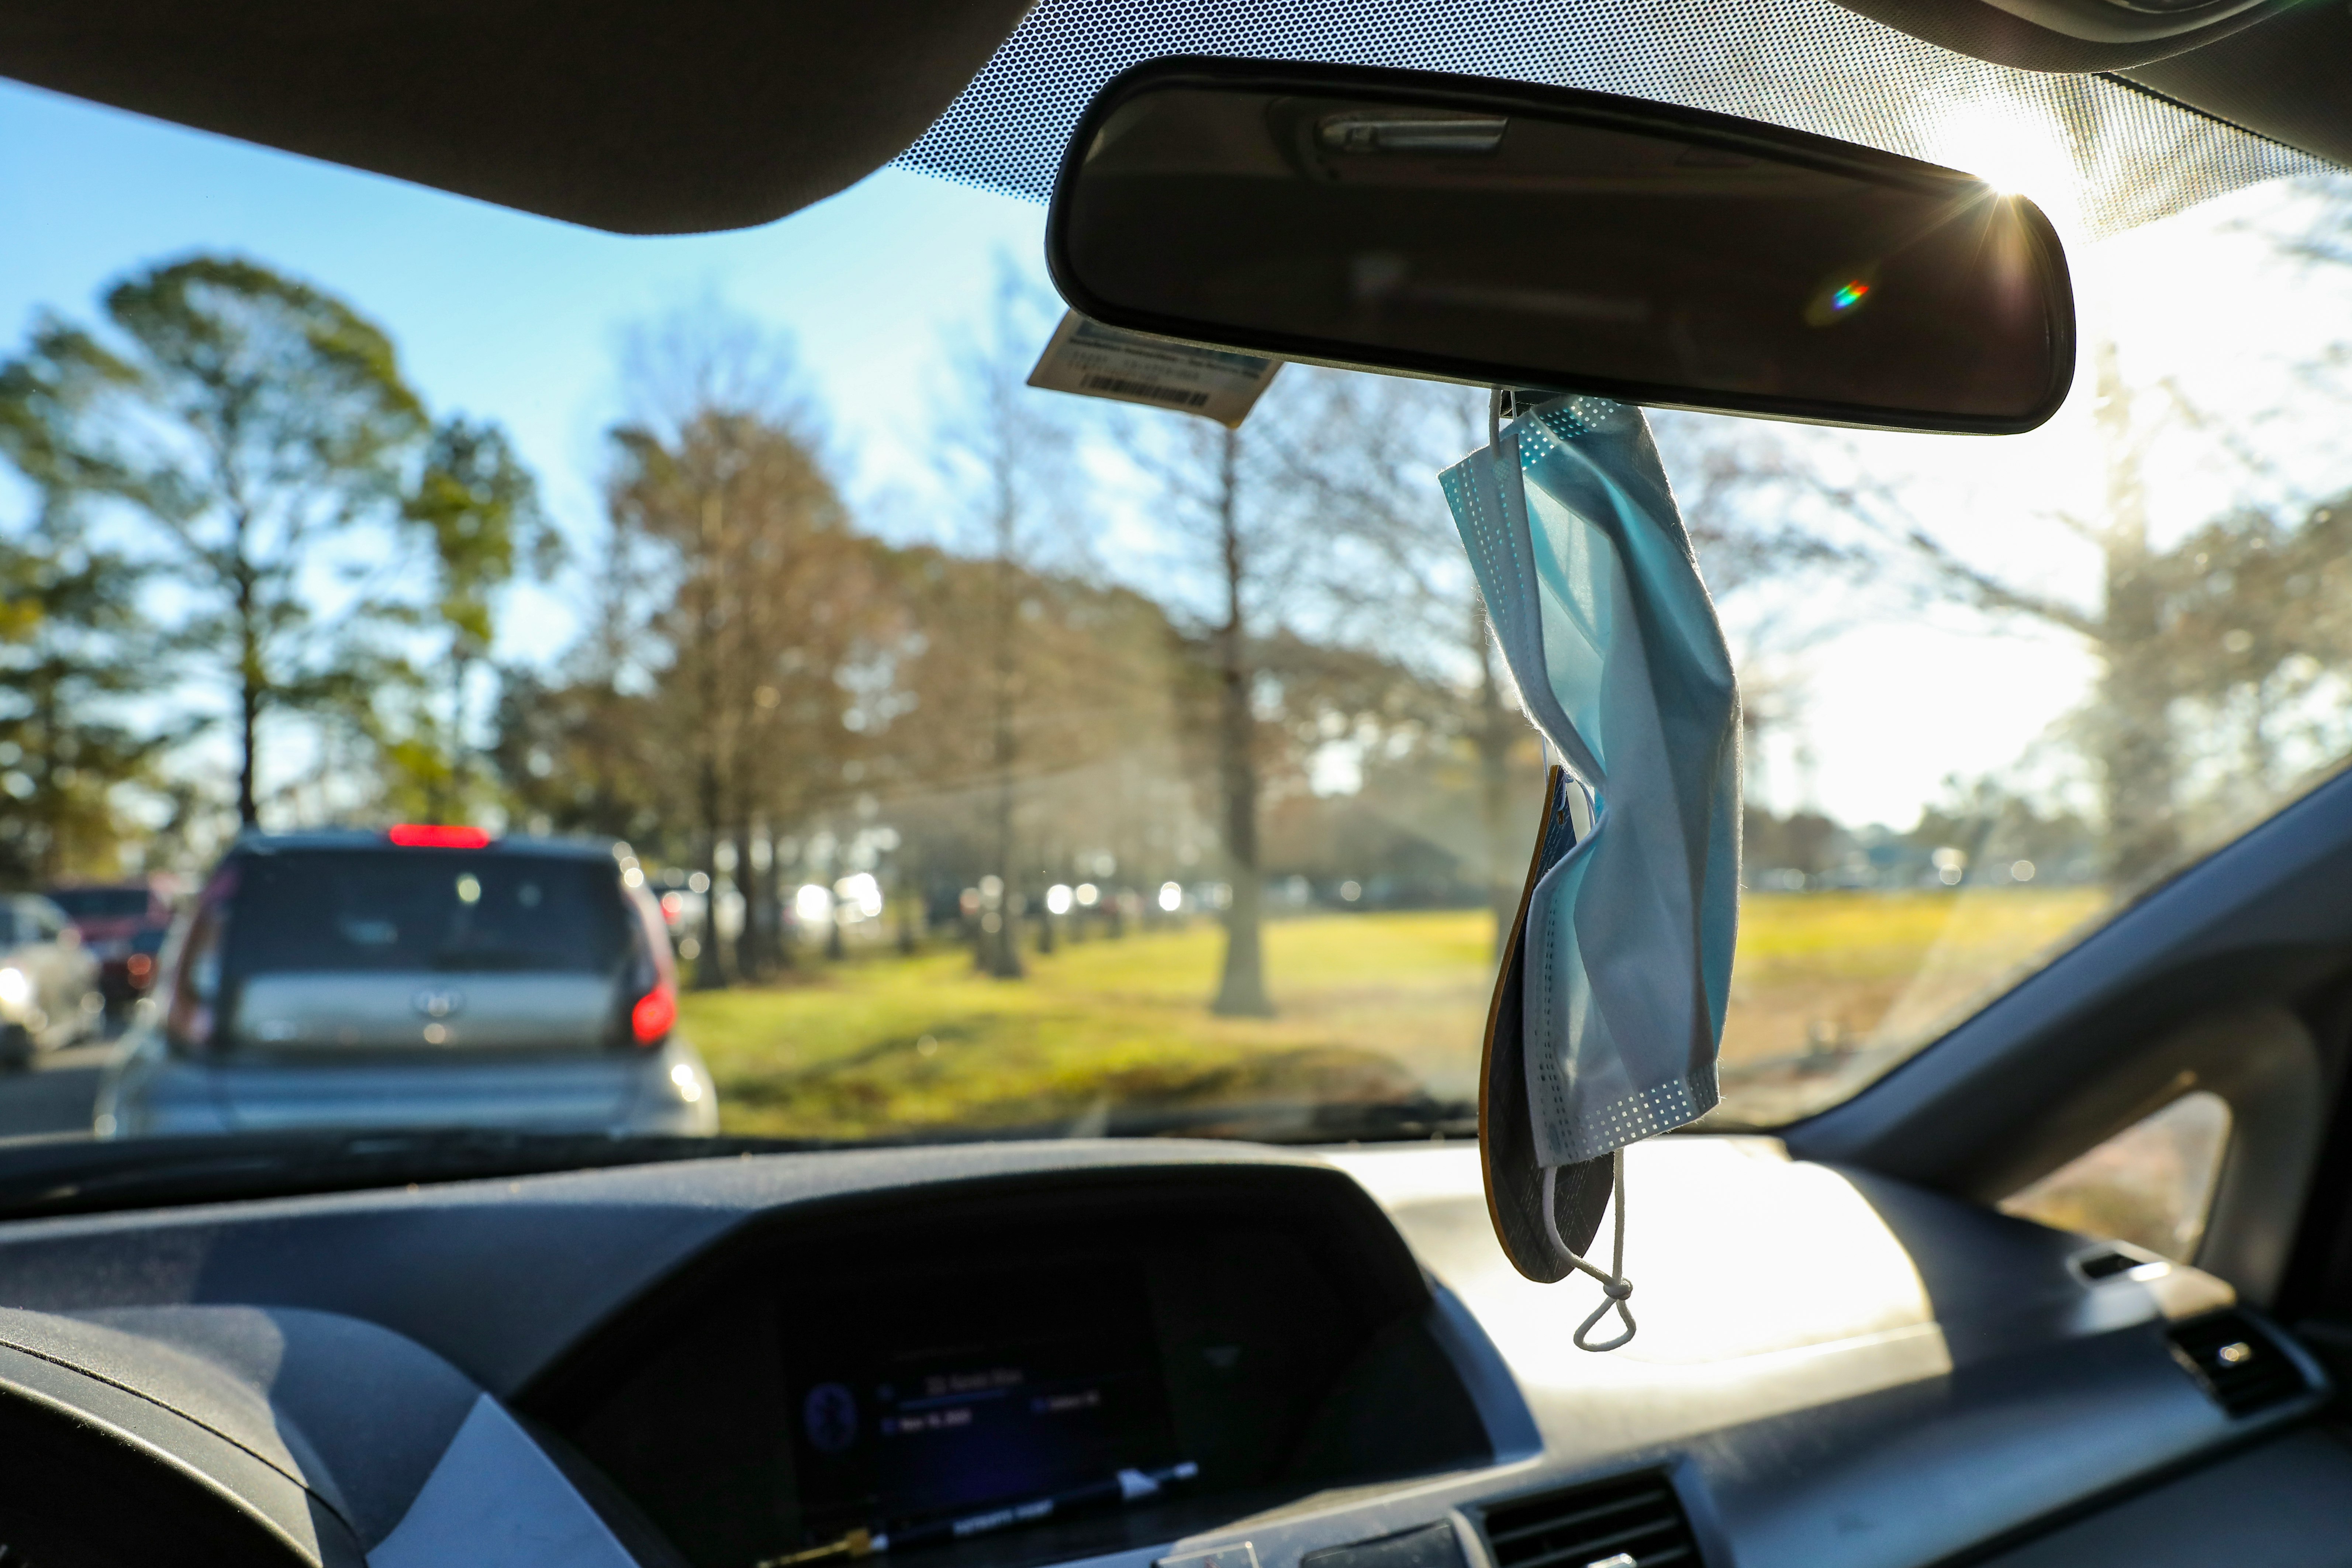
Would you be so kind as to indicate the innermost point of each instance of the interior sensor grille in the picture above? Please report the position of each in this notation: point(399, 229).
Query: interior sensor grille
point(1635, 1522)
point(2237, 1363)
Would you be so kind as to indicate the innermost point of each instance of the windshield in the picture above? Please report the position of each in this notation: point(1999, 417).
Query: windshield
point(993, 758)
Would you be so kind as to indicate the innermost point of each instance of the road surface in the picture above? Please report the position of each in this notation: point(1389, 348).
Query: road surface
point(57, 1095)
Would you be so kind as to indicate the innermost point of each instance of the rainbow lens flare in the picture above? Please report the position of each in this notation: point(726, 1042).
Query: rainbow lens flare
point(1841, 295)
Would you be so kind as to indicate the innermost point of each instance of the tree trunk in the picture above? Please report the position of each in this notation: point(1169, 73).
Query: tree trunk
point(709, 968)
point(1001, 948)
point(785, 877)
point(2134, 736)
point(1241, 990)
point(907, 894)
point(778, 935)
point(249, 807)
point(755, 947)
point(49, 857)
point(453, 808)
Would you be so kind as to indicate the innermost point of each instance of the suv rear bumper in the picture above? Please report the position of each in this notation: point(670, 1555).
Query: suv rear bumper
point(148, 1092)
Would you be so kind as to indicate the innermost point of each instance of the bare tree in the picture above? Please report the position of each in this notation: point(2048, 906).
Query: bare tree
point(721, 471)
point(1005, 447)
point(1365, 452)
point(2126, 731)
point(1229, 504)
point(1241, 988)
point(1097, 770)
point(2238, 611)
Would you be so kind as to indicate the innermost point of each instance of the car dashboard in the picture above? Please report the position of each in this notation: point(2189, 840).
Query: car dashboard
point(1124, 1355)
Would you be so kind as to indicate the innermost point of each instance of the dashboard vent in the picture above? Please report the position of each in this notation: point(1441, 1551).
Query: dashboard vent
point(1635, 1522)
point(2239, 1364)
point(2111, 1258)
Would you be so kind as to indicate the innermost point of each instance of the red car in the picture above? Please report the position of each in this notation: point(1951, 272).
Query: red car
point(123, 924)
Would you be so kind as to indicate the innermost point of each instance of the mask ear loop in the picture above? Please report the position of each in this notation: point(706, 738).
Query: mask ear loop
point(1614, 1286)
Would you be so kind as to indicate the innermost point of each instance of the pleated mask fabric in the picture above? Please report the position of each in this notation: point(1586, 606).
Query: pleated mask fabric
point(1595, 599)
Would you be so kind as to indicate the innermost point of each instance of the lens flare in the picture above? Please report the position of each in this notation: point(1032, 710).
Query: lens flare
point(1842, 294)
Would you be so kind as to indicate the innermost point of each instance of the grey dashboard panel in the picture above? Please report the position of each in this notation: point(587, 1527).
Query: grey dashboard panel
point(2285, 1504)
point(357, 1415)
point(1835, 1367)
point(499, 1277)
point(129, 1439)
point(328, 1426)
point(1845, 1369)
point(321, 1441)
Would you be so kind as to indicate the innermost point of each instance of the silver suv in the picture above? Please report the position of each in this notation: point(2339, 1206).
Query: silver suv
point(428, 976)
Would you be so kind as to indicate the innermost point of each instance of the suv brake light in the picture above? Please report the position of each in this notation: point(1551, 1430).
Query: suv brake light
point(656, 1012)
point(437, 835)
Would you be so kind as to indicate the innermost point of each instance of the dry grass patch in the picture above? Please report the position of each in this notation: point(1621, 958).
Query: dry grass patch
point(1374, 1007)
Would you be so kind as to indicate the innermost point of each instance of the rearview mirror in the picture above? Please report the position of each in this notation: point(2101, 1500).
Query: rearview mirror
point(1528, 237)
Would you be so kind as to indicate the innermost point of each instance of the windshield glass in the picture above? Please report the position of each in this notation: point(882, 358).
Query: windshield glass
point(996, 759)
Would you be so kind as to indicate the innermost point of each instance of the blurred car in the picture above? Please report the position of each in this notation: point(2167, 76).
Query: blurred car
point(48, 981)
point(123, 925)
point(426, 976)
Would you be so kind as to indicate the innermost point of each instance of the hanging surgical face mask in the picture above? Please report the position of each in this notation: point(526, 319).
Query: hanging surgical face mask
point(1609, 1006)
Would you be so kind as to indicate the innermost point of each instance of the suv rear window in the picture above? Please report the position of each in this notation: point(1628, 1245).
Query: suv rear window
point(103, 903)
point(372, 910)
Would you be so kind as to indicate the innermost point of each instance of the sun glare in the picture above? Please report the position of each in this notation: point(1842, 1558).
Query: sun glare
point(2015, 154)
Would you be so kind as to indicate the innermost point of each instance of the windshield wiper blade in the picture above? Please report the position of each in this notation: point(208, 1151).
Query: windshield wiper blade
point(84, 1176)
point(1298, 1122)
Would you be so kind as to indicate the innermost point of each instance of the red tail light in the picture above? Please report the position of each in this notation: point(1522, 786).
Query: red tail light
point(656, 1012)
point(437, 835)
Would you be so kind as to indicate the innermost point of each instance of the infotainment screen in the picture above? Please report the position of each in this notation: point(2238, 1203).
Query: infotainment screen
point(932, 1404)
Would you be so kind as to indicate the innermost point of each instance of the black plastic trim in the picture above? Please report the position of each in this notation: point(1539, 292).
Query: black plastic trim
point(1353, 1240)
point(1575, 1495)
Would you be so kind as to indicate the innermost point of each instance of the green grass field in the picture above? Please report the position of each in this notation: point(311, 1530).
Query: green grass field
point(1368, 1008)
point(1825, 968)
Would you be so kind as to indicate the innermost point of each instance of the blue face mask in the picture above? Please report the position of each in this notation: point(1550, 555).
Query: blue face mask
point(1609, 1008)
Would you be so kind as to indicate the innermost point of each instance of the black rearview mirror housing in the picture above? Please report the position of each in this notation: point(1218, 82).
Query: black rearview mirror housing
point(1506, 235)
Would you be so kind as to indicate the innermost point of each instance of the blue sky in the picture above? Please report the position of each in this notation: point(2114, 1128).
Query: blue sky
point(503, 314)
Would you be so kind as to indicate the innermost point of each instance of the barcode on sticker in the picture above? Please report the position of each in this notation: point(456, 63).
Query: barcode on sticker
point(1125, 388)
point(1096, 361)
